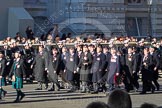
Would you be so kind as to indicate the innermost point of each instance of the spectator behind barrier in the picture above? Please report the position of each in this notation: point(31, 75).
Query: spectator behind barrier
point(148, 105)
point(119, 99)
point(97, 105)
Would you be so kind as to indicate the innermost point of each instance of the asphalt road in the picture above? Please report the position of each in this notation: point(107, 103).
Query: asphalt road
point(62, 99)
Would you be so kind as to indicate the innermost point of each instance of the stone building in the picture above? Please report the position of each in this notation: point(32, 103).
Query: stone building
point(118, 17)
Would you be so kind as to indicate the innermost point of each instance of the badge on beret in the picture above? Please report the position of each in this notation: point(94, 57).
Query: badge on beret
point(71, 59)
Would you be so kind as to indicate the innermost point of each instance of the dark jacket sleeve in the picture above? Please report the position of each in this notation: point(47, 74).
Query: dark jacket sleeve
point(22, 67)
point(3, 66)
point(103, 57)
point(58, 62)
point(76, 62)
point(157, 59)
point(135, 63)
point(11, 70)
point(118, 64)
point(90, 59)
point(80, 61)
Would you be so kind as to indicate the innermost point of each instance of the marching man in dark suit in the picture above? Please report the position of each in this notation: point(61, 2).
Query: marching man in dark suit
point(9, 59)
point(146, 72)
point(2, 75)
point(28, 59)
point(113, 68)
point(16, 72)
point(77, 75)
point(71, 68)
point(64, 55)
point(85, 66)
point(98, 69)
point(53, 69)
point(92, 50)
point(154, 66)
point(39, 66)
point(130, 70)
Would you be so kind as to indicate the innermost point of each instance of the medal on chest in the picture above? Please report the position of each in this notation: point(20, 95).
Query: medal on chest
point(98, 58)
point(113, 59)
point(130, 58)
point(71, 59)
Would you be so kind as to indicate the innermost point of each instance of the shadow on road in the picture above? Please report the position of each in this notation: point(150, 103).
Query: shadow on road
point(36, 96)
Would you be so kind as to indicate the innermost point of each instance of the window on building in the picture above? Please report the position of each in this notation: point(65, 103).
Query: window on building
point(136, 26)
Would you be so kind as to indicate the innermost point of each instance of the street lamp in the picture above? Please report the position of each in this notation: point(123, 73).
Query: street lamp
point(149, 2)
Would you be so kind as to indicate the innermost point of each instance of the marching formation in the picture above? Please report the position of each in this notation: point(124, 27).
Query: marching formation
point(89, 68)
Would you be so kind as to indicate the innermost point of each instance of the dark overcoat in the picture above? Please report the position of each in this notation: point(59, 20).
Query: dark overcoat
point(71, 66)
point(85, 68)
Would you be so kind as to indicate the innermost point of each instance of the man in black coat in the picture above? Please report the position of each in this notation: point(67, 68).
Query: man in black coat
point(113, 68)
point(130, 69)
point(64, 55)
point(9, 59)
point(85, 66)
point(28, 59)
point(92, 50)
point(53, 69)
point(29, 33)
point(39, 68)
point(146, 72)
point(154, 65)
point(98, 69)
point(79, 52)
point(71, 68)
point(2, 75)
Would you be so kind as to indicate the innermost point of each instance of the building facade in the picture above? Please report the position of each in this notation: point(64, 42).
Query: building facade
point(118, 17)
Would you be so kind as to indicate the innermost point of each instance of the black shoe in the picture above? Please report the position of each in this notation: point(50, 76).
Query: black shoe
point(143, 92)
point(16, 101)
point(57, 89)
point(83, 92)
point(22, 96)
point(158, 88)
point(153, 90)
point(70, 91)
point(38, 89)
point(51, 89)
point(95, 92)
